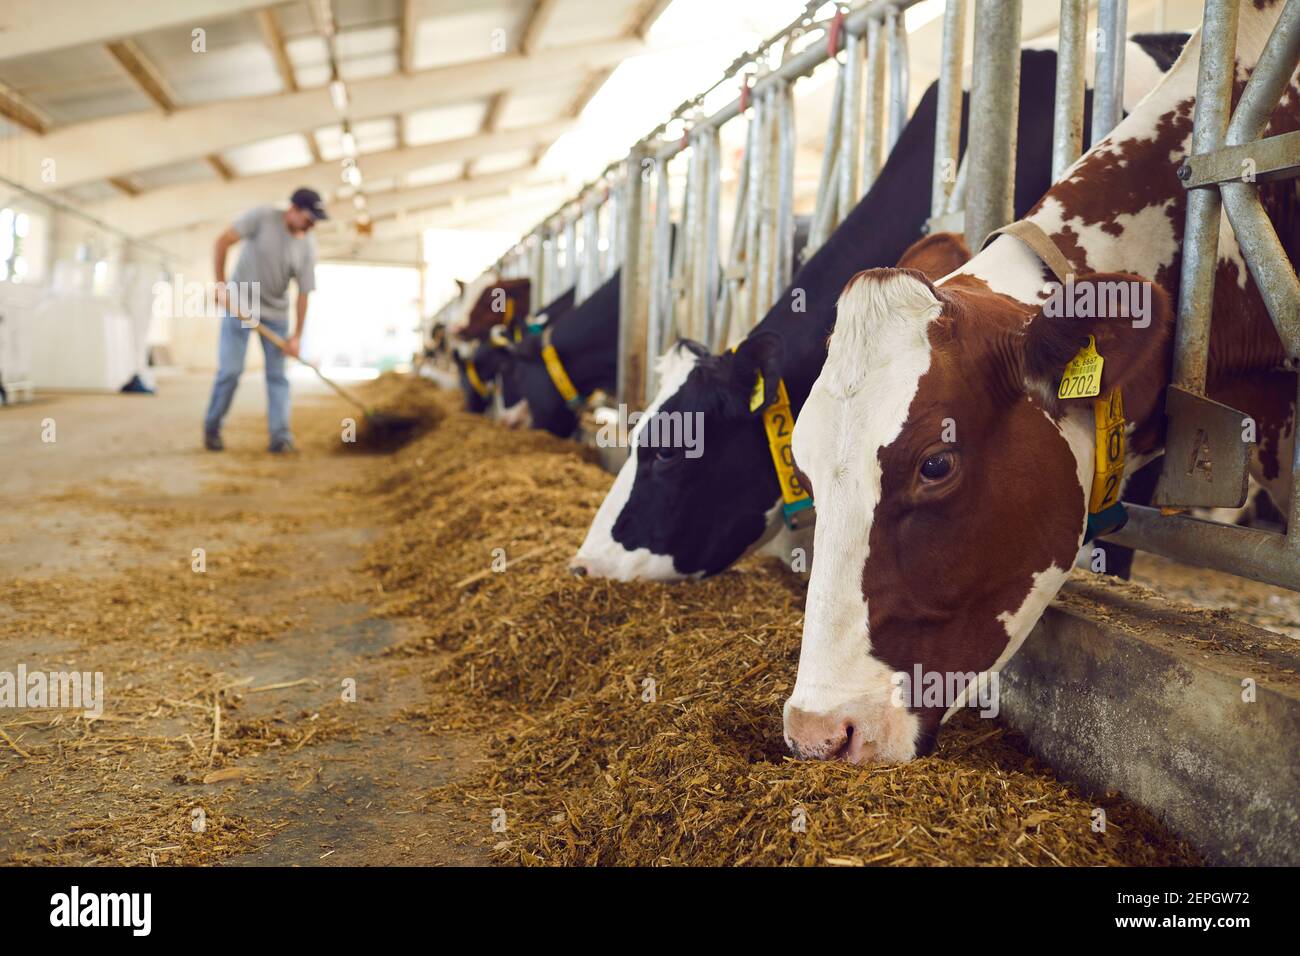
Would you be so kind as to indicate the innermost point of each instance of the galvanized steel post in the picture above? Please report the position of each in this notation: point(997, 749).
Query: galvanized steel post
point(1201, 232)
point(947, 131)
point(633, 299)
point(1067, 114)
point(899, 84)
point(660, 273)
point(850, 146)
point(995, 105)
point(1108, 87)
point(874, 118)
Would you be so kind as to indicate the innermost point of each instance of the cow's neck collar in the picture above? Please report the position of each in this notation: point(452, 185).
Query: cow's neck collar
point(1040, 243)
point(778, 428)
point(559, 375)
point(482, 388)
point(1106, 512)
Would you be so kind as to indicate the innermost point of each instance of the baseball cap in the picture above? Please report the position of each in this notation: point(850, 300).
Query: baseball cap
point(308, 200)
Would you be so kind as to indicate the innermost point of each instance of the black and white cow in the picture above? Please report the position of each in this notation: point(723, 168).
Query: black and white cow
point(668, 516)
point(586, 341)
point(492, 358)
point(487, 360)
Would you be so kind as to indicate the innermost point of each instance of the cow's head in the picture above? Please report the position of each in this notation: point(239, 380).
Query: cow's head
point(545, 407)
point(490, 363)
point(951, 488)
point(500, 302)
point(677, 512)
point(585, 339)
point(669, 516)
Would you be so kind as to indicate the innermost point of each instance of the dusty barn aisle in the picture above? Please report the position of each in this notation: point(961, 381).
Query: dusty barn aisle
point(505, 711)
point(252, 639)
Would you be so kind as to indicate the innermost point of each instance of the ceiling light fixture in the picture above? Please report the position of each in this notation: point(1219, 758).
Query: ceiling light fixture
point(339, 95)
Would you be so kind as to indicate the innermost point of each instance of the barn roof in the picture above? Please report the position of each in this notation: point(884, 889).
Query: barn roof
point(158, 116)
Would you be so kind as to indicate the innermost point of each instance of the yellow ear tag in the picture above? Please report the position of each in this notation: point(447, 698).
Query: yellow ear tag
point(756, 397)
point(1082, 375)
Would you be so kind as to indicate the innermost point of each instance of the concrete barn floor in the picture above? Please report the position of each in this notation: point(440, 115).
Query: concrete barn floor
point(104, 520)
point(223, 687)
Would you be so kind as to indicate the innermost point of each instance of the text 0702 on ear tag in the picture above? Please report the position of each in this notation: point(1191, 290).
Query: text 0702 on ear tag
point(1082, 375)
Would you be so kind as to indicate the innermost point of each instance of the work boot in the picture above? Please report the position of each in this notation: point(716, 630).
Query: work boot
point(212, 441)
point(280, 446)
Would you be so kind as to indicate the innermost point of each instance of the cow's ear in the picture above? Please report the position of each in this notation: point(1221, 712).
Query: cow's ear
point(758, 359)
point(1131, 325)
point(936, 255)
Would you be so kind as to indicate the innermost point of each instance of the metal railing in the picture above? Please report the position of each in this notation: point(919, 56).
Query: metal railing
point(1206, 456)
point(691, 287)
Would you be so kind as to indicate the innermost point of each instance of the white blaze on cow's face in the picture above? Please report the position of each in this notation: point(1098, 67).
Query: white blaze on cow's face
point(469, 297)
point(950, 506)
point(842, 701)
point(601, 555)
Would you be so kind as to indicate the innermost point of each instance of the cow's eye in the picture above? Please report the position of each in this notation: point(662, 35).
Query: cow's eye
point(937, 466)
point(665, 456)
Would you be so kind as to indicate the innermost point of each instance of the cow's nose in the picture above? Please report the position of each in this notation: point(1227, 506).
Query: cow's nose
point(577, 568)
point(819, 736)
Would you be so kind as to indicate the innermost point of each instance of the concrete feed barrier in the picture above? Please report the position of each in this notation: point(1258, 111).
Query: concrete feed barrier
point(1118, 688)
point(1190, 713)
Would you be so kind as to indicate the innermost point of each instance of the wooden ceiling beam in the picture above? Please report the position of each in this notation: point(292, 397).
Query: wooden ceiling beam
point(408, 28)
point(644, 17)
point(21, 111)
point(269, 27)
point(145, 74)
point(221, 167)
point(539, 17)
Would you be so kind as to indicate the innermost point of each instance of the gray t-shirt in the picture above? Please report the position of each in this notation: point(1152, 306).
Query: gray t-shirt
point(270, 256)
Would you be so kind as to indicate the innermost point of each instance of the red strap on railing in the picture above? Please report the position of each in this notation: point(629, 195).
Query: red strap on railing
point(833, 32)
point(744, 93)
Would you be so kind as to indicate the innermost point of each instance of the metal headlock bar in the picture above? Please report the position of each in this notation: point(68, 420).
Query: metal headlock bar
point(947, 130)
point(693, 290)
point(1108, 85)
point(899, 81)
point(995, 108)
point(1067, 114)
point(687, 287)
point(700, 294)
point(1206, 454)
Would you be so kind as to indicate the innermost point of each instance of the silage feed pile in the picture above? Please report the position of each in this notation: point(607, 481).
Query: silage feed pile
point(401, 407)
point(639, 723)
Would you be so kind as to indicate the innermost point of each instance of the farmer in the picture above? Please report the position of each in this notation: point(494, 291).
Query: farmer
point(278, 246)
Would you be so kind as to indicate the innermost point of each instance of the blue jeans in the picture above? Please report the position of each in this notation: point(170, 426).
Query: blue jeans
point(230, 364)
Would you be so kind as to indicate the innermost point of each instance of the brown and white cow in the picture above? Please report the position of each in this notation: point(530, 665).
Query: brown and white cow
point(951, 483)
point(490, 301)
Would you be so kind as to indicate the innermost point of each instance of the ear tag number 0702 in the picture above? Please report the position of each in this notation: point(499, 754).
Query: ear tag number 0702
point(1082, 375)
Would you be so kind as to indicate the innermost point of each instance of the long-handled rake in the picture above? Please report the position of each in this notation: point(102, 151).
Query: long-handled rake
point(385, 428)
